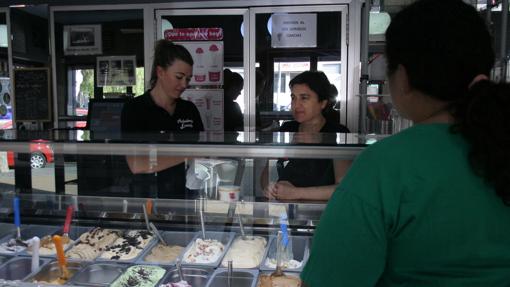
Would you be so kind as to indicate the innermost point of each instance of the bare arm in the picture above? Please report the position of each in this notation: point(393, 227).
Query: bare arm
point(143, 164)
point(285, 189)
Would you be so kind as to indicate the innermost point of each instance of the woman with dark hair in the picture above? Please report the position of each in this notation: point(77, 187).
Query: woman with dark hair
point(162, 109)
point(313, 179)
point(429, 205)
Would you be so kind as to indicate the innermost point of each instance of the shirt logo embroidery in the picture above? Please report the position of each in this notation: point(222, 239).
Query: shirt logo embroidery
point(185, 123)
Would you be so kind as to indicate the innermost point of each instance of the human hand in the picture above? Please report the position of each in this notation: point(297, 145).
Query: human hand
point(285, 190)
point(269, 191)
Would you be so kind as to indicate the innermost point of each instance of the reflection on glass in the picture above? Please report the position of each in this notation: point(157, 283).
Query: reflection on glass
point(279, 65)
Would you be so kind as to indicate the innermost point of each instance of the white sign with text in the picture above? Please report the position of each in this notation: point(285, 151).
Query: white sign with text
point(209, 103)
point(294, 30)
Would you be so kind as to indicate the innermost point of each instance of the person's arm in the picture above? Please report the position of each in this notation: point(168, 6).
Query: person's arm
point(143, 164)
point(264, 182)
point(285, 190)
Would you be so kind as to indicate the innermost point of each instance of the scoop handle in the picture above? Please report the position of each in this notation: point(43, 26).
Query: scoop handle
point(57, 240)
point(69, 217)
point(149, 206)
point(17, 220)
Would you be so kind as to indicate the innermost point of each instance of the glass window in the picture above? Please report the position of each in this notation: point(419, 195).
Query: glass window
point(109, 33)
point(284, 63)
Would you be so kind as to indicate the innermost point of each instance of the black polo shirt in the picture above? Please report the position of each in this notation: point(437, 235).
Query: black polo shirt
point(308, 172)
point(141, 115)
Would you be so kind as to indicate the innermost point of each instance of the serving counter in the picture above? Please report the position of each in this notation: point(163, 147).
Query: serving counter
point(102, 200)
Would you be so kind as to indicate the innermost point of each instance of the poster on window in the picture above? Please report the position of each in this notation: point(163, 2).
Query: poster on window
point(116, 71)
point(293, 30)
point(209, 103)
point(208, 62)
point(82, 40)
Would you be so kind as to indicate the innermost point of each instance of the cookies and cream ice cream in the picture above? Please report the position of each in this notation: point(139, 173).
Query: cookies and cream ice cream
point(128, 246)
point(140, 276)
point(204, 251)
point(12, 246)
point(245, 253)
point(164, 253)
point(92, 243)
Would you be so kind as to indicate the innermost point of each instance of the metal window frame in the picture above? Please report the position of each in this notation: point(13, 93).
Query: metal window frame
point(343, 9)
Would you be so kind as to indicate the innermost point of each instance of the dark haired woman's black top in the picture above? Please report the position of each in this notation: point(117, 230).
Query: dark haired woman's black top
point(141, 115)
point(308, 172)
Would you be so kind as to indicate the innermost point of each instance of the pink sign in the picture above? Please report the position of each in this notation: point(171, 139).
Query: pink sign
point(194, 34)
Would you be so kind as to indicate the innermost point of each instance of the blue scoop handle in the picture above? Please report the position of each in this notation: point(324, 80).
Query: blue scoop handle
point(17, 220)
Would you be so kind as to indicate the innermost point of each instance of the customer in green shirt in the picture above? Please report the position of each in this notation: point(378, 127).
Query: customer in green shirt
point(428, 206)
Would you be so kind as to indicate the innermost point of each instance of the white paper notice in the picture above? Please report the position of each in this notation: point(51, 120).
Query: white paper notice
point(209, 103)
point(294, 30)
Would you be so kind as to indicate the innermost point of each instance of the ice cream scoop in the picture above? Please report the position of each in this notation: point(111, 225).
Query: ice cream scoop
point(156, 231)
point(34, 244)
point(62, 263)
point(17, 222)
point(67, 224)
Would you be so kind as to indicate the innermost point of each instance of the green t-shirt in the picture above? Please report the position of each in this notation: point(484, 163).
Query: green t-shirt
point(411, 212)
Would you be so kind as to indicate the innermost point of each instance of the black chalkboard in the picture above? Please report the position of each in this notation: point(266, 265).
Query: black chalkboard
point(32, 101)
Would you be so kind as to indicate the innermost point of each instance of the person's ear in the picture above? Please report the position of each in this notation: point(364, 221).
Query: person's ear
point(324, 104)
point(160, 71)
point(403, 79)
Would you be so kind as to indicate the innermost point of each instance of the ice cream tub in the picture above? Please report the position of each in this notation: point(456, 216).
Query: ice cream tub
point(6, 246)
point(98, 274)
point(18, 268)
point(128, 247)
point(194, 276)
point(289, 279)
point(247, 252)
point(141, 276)
point(240, 278)
point(160, 254)
point(209, 251)
point(47, 248)
point(300, 251)
point(50, 273)
point(92, 243)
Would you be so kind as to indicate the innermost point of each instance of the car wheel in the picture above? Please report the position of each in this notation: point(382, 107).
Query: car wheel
point(37, 160)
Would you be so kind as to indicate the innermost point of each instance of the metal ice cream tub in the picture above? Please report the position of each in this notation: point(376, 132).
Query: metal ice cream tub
point(18, 268)
point(98, 274)
point(224, 238)
point(51, 272)
point(287, 274)
point(74, 234)
point(27, 233)
point(172, 238)
point(300, 250)
point(240, 278)
point(141, 249)
point(195, 276)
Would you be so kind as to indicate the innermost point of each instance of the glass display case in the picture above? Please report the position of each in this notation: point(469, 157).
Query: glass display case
point(207, 227)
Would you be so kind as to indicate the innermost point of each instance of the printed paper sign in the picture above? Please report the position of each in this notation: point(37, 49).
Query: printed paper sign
point(209, 103)
point(208, 66)
point(116, 71)
point(294, 30)
point(194, 34)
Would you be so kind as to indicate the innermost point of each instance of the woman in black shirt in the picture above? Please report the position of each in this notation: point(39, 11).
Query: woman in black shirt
point(161, 109)
point(313, 179)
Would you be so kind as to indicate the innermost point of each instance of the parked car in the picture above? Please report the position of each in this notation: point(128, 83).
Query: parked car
point(41, 154)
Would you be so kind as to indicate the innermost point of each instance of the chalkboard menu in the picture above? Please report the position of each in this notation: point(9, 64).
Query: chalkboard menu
point(32, 101)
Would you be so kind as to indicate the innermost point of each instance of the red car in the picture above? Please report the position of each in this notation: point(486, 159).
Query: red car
point(41, 154)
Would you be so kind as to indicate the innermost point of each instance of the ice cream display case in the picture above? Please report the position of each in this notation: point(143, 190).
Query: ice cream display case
point(115, 239)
